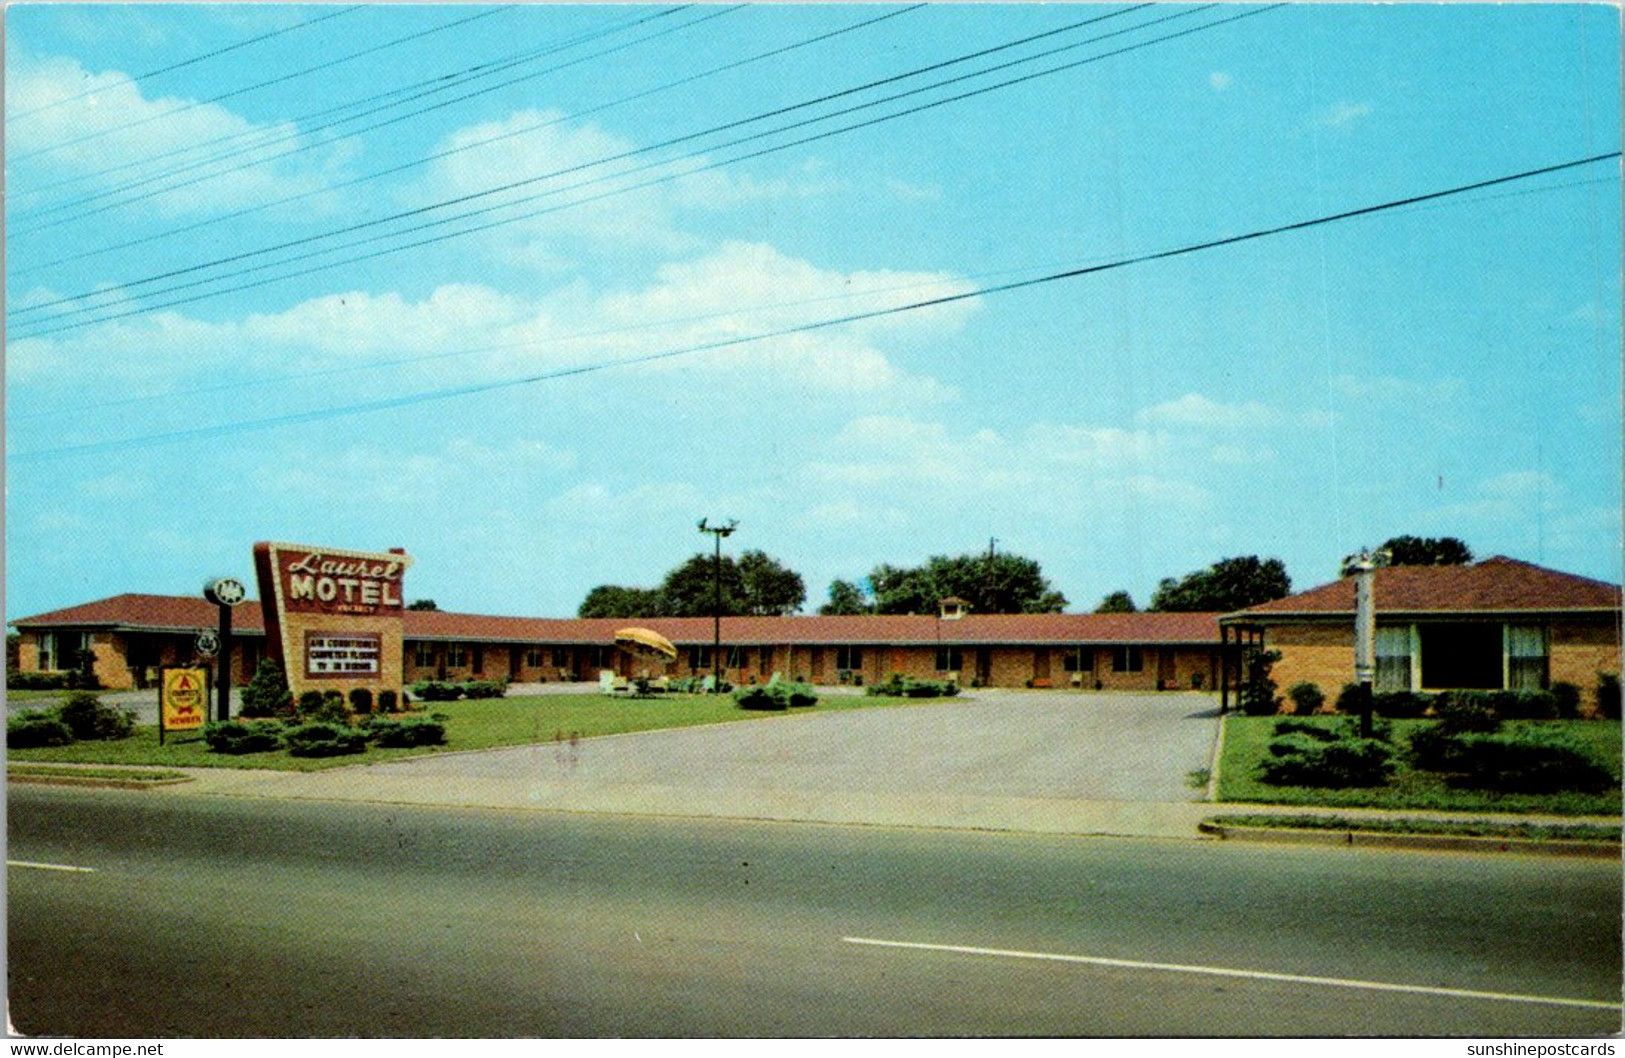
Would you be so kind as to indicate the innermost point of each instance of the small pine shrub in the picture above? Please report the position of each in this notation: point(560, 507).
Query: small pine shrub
point(235, 736)
point(414, 731)
point(761, 696)
point(1534, 760)
point(1344, 762)
point(267, 692)
point(1256, 695)
point(324, 740)
point(1566, 696)
point(1526, 705)
point(1608, 695)
point(89, 720)
point(1306, 698)
point(1404, 705)
point(387, 701)
point(360, 700)
point(310, 702)
point(36, 681)
point(33, 728)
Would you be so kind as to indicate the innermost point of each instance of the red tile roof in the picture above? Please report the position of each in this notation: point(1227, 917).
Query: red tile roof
point(1495, 585)
point(180, 613)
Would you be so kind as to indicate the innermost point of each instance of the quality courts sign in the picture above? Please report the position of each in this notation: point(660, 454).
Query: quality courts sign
point(183, 700)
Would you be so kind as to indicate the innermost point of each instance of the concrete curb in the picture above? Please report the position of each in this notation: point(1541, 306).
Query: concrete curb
point(112, 784)
point(1422, 842)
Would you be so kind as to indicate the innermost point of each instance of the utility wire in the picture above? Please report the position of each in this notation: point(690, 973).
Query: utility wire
point(418, 211)
point(194, 104)
point(314, 144)
point(428, 396)
point(576, 116)
point(195, 59)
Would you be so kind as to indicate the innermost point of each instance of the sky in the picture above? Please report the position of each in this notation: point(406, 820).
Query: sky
point(530, 291)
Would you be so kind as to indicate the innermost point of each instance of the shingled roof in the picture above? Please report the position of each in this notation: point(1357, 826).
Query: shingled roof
point(161, 613)
point(1495, 585)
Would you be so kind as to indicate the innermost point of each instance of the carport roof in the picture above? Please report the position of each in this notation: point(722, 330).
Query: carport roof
point(171, 613)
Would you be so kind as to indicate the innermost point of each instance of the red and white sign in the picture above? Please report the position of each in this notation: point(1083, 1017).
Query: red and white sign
point(338, 582)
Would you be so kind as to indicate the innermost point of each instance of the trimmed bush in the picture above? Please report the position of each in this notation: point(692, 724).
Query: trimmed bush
point(1608, 695)
point(234, 736)
point(310, 702)
point(32, 728)
point(324, 740)
point(323, 707)
point(1401, 705)
point(1305, 761)
point(1319, 732)
point(413, 731)
point(1567, 698)
point(761, 696)
point(485, 688)
point(267, 692)
point(88, 720)
point(1256, 696)
point(1467, 712)
point(1306, 698)
point(1534, 760)
point(899, 686)
point(360, 700)
point(36, 681)
point(386, 701)
point(1526, 705)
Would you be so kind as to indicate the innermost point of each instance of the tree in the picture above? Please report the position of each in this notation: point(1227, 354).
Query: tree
point(1116, 602)
point(267, 691)
point(1427, 551)
point(991, 584)
point(422, 604)
point(1228, 584)
point(771, 590)
point(690, 589)
point(846, 598)
point(612, 600)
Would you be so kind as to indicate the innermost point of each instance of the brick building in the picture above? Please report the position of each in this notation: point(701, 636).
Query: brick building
point(1492, 625)
point(129, 637)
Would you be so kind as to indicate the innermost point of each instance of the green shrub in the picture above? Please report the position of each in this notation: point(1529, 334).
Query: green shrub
point(1306, 761)
point(88, 720)
point(1467, 712)
point(1256, 696)
point(310, 702)
point(1403, 705)
point(1533, 760)
point(761, 696)
point(82, 680)
point(1320, 732)
point(386, 701)
point(1306, 698)
point(36, 681)
point(235, 736)
point(1567, 698)
point(32, 728)
point(323, 707)
point(360, 700)
point(485, 688)
point(1434, 748)
point(1608, 695)
point(413, 731)
point(1526, 705)
point(324, 740)
point(267, 692)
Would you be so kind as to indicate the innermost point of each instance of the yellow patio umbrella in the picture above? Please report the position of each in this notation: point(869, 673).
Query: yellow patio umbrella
point(643, 643)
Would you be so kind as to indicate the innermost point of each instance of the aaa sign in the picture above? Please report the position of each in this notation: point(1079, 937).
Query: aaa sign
point(184, 704)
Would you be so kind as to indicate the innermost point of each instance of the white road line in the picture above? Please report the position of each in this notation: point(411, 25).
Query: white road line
point(1259, 975)
point(50, 867)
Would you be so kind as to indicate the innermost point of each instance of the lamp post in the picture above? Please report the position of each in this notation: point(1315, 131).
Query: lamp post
point(1364, 566)
point(224, 592)
point(718, 532)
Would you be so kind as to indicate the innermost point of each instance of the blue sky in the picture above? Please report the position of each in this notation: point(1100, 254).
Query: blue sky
point(1451, 368)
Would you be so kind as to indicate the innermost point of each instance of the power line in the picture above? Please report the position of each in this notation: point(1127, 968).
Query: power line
point(194, 104)
point(195, 59)
point(300, 134)
point(578, 336)
point(449, 393)
point(290, 244)
point(758, 57)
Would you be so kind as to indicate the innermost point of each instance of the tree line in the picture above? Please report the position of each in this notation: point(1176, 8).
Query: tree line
point(756, 584)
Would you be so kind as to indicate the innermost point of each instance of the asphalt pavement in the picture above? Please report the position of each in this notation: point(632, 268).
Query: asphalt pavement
point(147, 915)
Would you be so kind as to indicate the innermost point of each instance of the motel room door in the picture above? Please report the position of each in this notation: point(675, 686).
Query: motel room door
point(984, 666)
point(1165, 669)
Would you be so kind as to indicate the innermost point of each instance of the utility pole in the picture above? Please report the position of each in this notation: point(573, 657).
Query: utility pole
point(718, 532)
point(987, 586)
point(1365, 634)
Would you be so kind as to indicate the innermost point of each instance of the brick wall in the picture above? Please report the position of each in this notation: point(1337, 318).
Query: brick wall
point(1318, 654)
point(1579, 651)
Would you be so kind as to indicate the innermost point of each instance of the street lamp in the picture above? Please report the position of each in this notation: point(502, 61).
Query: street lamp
point(717, 531)
point(1364, 567)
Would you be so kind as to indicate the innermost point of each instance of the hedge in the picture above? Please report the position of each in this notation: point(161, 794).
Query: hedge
point(324, 740)
point(32, 728)
point(235, 736)
point(413, 731)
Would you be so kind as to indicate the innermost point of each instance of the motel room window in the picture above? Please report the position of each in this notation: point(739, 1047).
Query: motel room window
point(848, 658)
point(949, 659)
point(47, 651)
point(1128, 659)
point(533, 657)
point(1526, 658)
point(561, 658)
point(1393, 658)
point(1461, 656)
point(456, 655)
point(699, 658)
point(423, 655)
point(765, 658)
point(736, 657)
point(600, 658)
point(1073, 659)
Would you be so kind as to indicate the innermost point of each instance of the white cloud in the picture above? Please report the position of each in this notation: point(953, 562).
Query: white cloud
point(1341, 113)
point(1195, 411)
point(1219, 80)
point(1393, 388)
point(378, 475)
point(115, 123)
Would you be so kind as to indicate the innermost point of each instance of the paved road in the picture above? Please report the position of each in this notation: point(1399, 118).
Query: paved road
point(215, 916)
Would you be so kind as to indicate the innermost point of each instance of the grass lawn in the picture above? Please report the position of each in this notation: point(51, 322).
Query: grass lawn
point(1590, 832)
point(482, 724)
point(44, 697)
point(76, 771)
point(1246, 739)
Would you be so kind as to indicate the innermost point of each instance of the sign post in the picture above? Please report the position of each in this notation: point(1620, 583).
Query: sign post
point(225, 593)
point(183, 700)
